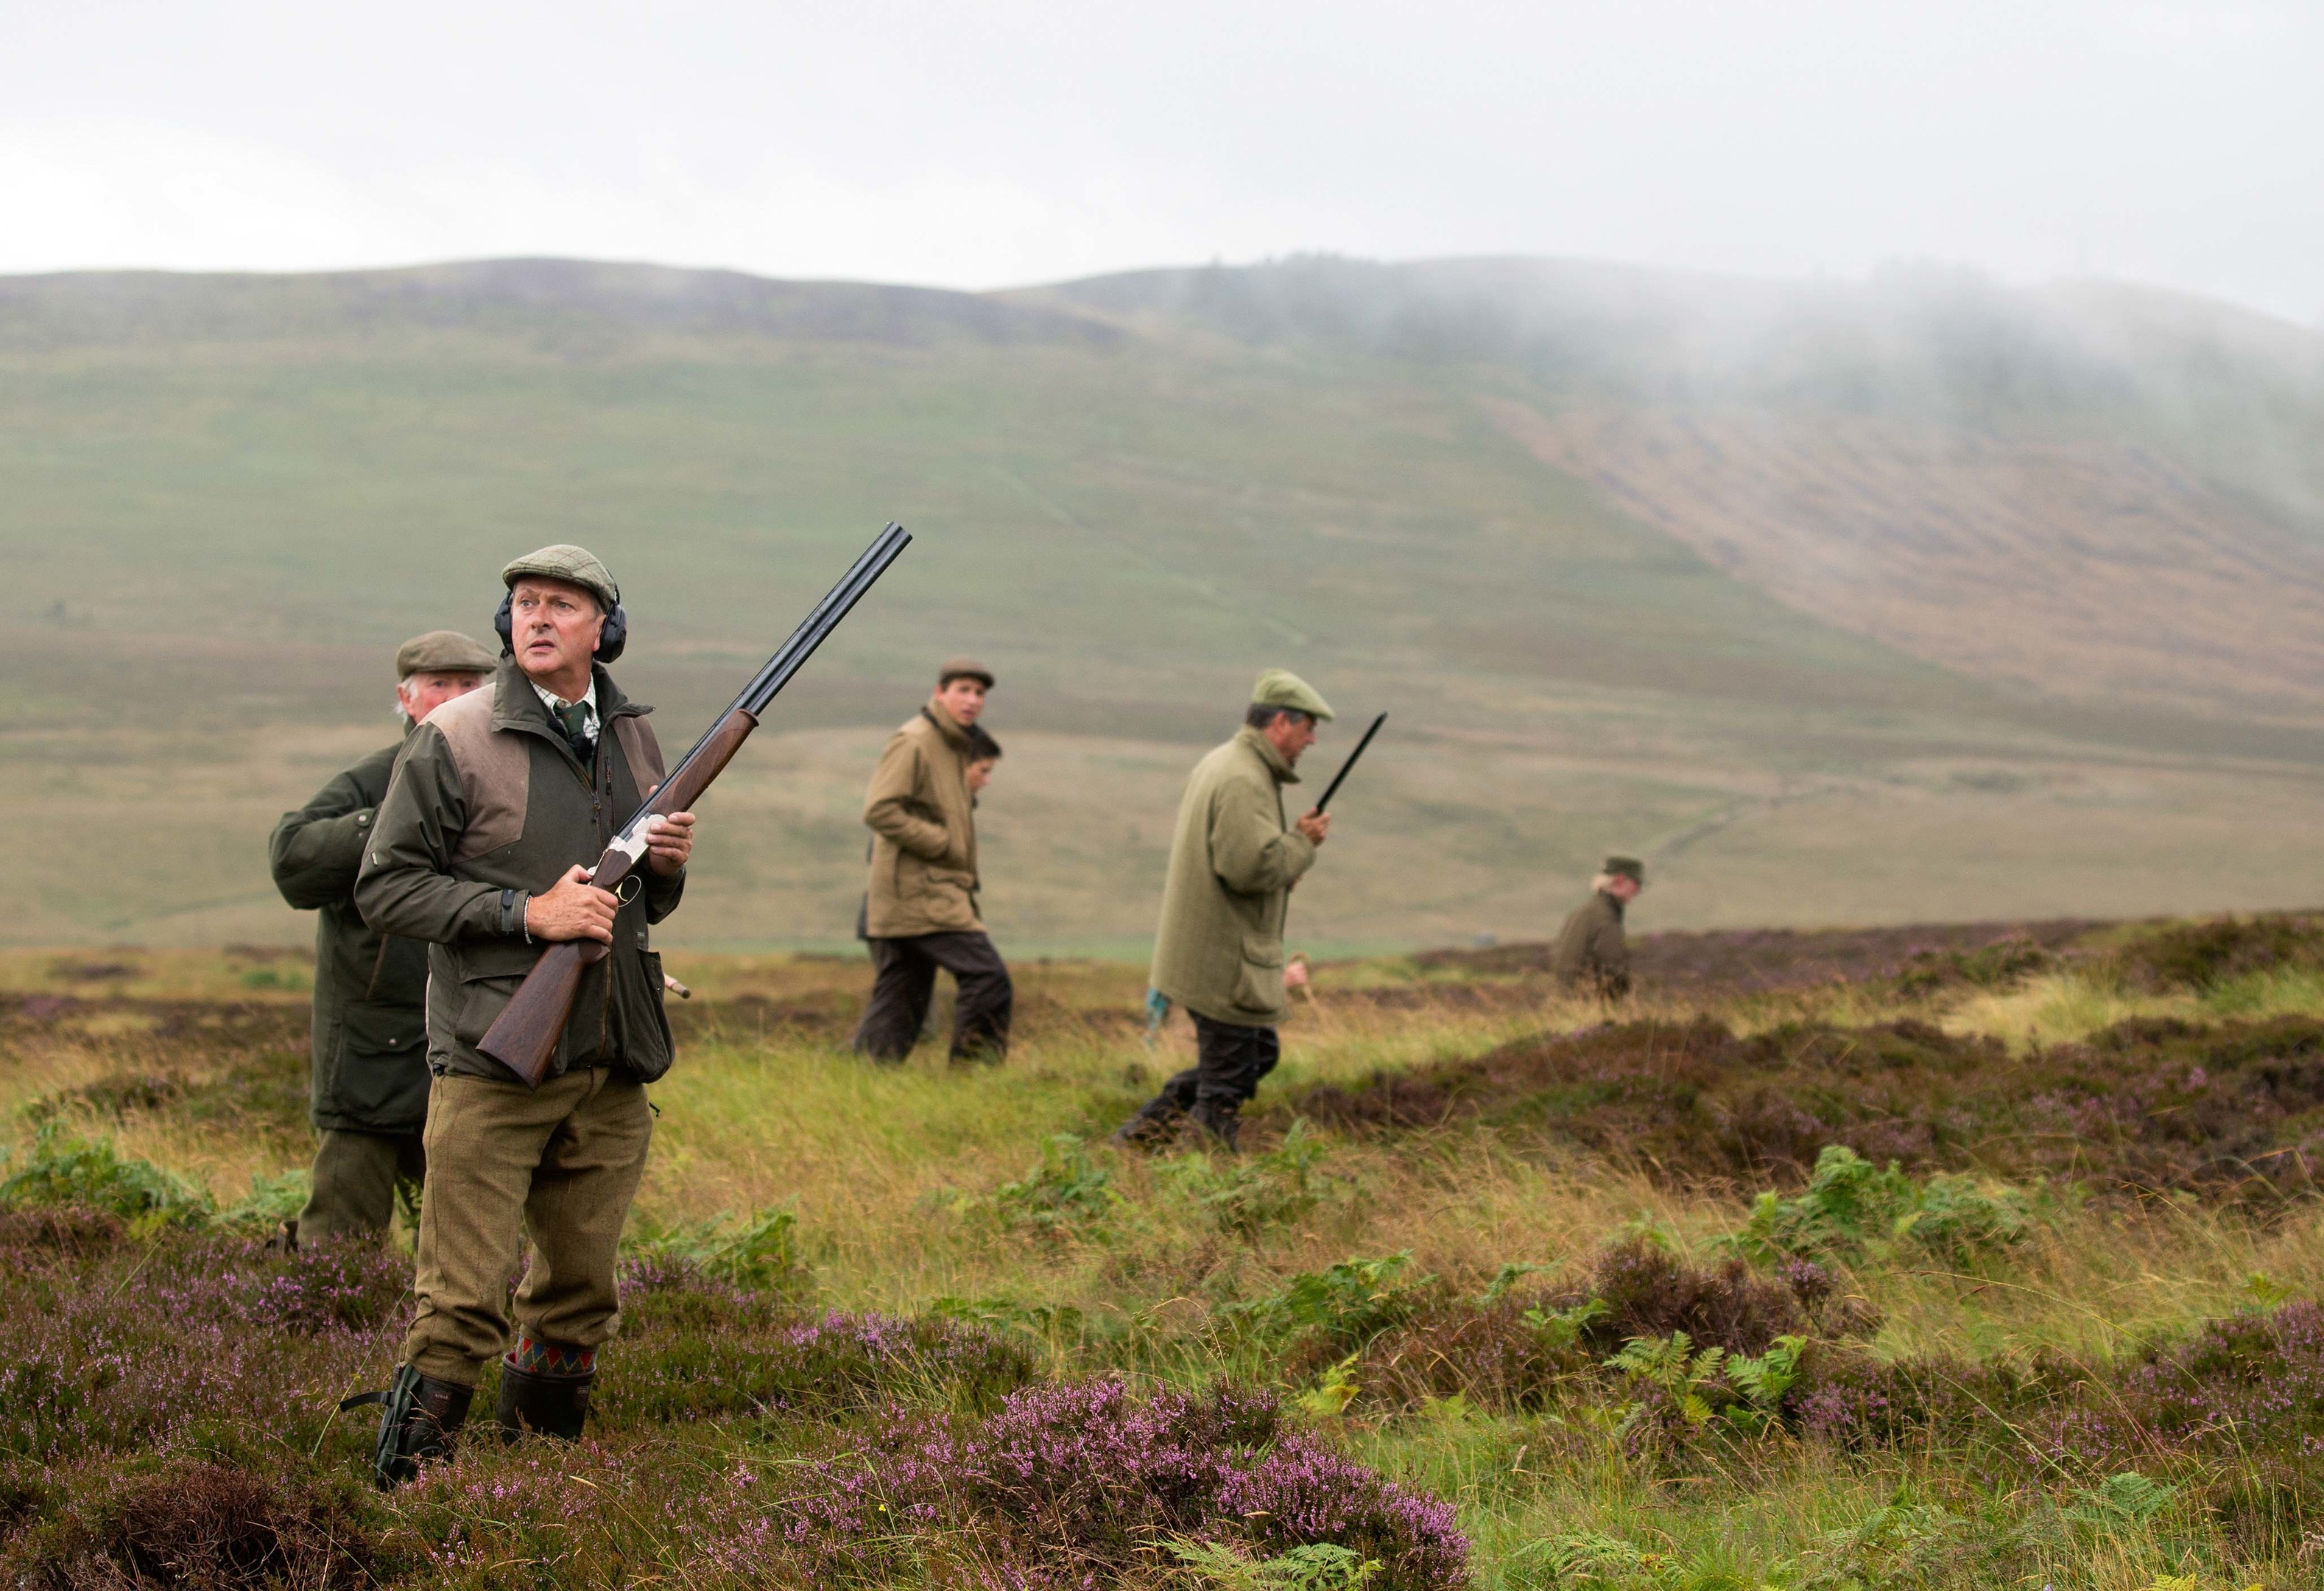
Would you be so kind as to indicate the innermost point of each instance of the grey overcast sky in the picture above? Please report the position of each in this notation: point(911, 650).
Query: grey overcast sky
point(984, 145)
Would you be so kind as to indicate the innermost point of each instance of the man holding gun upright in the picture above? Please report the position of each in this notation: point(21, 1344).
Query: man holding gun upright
point(1219, 951)
point(480, 848)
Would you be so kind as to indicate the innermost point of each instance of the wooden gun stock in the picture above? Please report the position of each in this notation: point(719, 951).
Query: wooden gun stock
point(524, 1037)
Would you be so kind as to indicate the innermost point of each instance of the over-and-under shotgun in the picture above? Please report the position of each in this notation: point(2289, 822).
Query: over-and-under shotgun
point(525, 1036)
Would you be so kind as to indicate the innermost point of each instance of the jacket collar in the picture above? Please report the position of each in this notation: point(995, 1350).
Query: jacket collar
point(516, 704)
point(1613, 900)
point(946, 725)
point(1283, 772)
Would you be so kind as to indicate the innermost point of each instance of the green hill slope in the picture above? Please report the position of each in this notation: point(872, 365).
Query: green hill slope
point(226, 498)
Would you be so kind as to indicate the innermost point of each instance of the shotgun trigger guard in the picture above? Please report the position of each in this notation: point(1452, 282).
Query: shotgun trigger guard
point(627, 890)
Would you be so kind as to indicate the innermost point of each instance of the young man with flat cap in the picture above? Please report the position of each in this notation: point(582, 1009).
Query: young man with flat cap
point(1219, 951)
point(1591, 956)
point(503, 801)
point(920, 906)
point(368, 1093)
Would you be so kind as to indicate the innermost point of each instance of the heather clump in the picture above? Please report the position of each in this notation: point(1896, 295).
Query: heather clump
point(2003, 964)
point(1076, 1484)
point(227, 1066)
point(2201, 956)
point(200, 1525)
point(707, 1350)
point(2235, 1410)
point(1642, 1290)
point(2245, 1393)
point(2147, 1104)
point(597, 1512)
point(1505, 1353)
point(142, 1346)
point(2235, 1109)
point(344, 1287)
point(1511, 1350)
point(1692, 1097)
point(30, 1236)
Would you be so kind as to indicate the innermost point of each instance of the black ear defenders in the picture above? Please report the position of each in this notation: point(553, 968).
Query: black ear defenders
point(609, 640)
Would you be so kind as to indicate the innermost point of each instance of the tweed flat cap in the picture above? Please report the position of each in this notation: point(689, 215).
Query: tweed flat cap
point(1629, 867)
point(962, 668)
point(442, 651)
point(576, 566)
point(1280, 687)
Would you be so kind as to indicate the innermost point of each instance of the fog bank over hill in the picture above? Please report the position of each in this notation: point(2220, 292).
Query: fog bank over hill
point(2090, 491)
point(1906, 599)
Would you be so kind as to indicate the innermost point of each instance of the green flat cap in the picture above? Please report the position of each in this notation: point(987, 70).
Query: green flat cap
point(1280, 687)
point(576, 566)
point(442, 651)
point(1629, 867)
point(962, 668)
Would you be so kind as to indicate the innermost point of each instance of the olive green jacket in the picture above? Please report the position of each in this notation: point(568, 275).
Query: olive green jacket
point(1219, 951)
point(1591, 953)
point(924, 878)
point(370, 1053)
point(488, 807)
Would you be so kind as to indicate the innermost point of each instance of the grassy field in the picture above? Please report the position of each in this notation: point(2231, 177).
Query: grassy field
point(1997, 1253)
point(226, 499)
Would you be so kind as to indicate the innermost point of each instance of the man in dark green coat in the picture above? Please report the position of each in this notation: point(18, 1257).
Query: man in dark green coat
point(1219, 950)
point(1592, 955)
point(502, 803)
point(368, 1096)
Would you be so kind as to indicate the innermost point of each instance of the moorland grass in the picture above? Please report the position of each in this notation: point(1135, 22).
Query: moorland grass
point(845, 1278)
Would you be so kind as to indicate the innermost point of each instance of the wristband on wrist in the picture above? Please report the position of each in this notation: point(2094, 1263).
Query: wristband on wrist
point(513, 905)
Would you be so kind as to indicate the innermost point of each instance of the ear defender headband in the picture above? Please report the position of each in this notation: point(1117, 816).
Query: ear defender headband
point(609, 640)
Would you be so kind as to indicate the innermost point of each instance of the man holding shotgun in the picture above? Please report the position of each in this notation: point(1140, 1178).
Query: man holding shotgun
point(482, 848)
point(1219, 951)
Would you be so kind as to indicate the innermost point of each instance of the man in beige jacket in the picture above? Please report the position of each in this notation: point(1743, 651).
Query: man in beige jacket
point(1219, 951)
point(919, 908)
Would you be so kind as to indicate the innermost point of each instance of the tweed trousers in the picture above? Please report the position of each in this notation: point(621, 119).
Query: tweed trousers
point(551, 1170)
point(356, 1177)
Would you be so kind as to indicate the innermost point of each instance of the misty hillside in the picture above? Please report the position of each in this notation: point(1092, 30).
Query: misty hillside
point(2090, 490)
point(574, 305)
point(1912, 600)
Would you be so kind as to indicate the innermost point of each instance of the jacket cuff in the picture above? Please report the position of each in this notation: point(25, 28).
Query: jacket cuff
point(479, 916)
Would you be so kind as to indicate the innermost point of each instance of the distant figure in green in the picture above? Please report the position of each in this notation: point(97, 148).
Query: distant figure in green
point(1219, 951)
point(920, 905)
point(1592, 957)
point(368, 1096)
